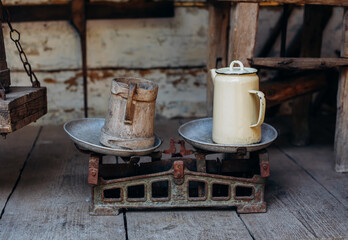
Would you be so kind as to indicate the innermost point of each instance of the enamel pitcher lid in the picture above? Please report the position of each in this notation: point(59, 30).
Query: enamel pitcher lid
point(241, 70)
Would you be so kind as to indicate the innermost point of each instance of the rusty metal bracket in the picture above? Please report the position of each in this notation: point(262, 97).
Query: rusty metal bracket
point(172, 148)
point(264, 164)
point(201, 163)
point(179, 182)
point(93, 169)
point(178, 173)
point(139, 192)
point(183, 150)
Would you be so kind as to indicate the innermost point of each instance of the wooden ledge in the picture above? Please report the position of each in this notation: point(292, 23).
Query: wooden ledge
point(298, 2)
point(23, 105)
point(299, 63)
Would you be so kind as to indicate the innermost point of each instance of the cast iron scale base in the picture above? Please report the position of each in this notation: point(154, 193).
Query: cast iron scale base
point(177, 179)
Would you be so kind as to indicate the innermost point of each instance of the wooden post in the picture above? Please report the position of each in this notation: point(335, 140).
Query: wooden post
point(4, 71)
point(217, 44)
point(315, 20)
point(79, 22)
point(244, 20)
point(341, 137)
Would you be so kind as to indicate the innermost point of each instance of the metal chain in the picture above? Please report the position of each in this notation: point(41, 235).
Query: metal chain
point(15, 37)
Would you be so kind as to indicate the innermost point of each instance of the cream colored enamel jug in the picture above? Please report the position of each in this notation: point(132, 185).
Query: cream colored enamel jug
point(239, 106)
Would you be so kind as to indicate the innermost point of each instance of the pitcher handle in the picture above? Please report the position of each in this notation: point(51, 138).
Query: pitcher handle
point(128, 116)
point(262, 111)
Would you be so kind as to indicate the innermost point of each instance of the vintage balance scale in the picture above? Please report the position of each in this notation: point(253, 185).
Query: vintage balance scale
point(212, 175)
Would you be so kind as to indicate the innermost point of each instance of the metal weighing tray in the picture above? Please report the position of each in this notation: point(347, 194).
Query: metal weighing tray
point(85, 132)
point(198, 133)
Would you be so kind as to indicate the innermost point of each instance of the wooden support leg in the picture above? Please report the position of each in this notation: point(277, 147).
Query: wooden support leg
point(79, 22)
point(4, 71)
point(341, 138)
point(300, 120)
point(217, 44)
point(242, 19)
point(243, 30)
point(315, 20)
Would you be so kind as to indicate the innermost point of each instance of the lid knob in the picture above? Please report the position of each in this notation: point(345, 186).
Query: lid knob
point(241, 66)
point(236, 70)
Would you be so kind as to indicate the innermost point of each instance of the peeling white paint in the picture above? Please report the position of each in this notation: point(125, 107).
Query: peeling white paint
point(48, 45)
point(146, 43)
point(182, 92)
point(64, 94)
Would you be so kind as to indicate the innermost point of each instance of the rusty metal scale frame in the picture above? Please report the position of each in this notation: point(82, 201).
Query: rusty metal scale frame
point(177, 173)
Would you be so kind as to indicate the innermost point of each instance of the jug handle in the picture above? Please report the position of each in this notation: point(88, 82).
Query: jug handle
point(262, 111)
point(128, 116)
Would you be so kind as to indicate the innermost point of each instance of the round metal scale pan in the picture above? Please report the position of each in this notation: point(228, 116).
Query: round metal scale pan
point(198, 133)
point(85, 132)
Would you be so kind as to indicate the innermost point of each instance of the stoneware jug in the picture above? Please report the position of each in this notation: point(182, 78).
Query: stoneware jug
point(239, 106)
point(129, 123)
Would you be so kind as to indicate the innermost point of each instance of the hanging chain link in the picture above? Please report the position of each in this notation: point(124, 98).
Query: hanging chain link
point(15, 37)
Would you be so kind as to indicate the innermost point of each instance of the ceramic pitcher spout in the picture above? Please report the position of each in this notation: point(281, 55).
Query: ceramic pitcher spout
point(213, 74)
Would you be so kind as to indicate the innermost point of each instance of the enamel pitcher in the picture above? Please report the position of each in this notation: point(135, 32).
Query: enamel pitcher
point(239, 106)
point(129, 123)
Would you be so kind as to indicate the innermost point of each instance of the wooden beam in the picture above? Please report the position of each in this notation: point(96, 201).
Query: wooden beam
point(299, 2)
point(78, 9)
point(5, 80)
point(243, 30)
point(341, 137)
point(299, 63)
point(219, 17)
point(94, 10)
point(280, 91)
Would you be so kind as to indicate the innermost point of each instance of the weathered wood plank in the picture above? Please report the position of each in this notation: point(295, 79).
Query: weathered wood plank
point(299, 63)
point(298, 207)
point(14, 2)
point(243, 30)
point(341, 143)
point(94, 10)
point(280, 91)
point(318, 158)
point(52, 198)
point(12, 160)
point(185, 225)
point(219, 17)
point(319, 2)
point(22, 106)
point(18, 96)
point(5, 80)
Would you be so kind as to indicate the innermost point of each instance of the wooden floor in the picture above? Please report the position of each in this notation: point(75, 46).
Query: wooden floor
point(44, 194)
